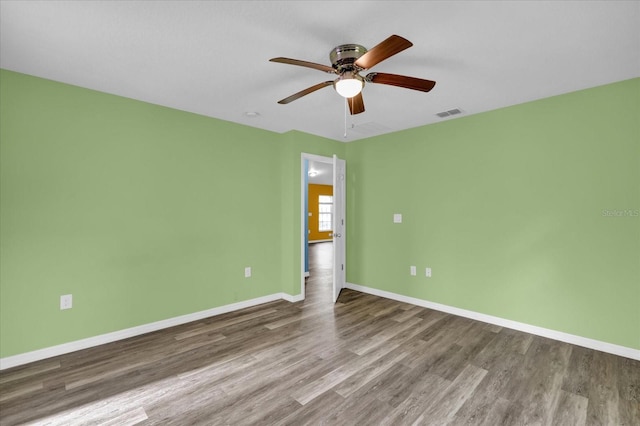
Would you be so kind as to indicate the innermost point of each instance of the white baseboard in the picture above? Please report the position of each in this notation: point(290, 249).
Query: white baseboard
point(292, 299)
point(25, 358)
point(527, 328)
point(40, 354)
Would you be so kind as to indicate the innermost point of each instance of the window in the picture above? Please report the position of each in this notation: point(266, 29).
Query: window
point(325, 208)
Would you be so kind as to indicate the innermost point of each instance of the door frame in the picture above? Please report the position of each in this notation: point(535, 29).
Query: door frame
point(303, 191)
point(339, 226)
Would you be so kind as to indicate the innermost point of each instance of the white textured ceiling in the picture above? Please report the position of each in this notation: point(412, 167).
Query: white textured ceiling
point(212, 57)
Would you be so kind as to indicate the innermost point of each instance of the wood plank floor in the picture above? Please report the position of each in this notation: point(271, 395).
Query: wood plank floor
point(364, 361)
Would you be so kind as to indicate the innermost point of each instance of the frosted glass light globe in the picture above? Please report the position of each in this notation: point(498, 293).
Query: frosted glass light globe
point(348, 87)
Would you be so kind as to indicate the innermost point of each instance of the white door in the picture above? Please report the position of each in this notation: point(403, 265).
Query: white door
point(339, 235)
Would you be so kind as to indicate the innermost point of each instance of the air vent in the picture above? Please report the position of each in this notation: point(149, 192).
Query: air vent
point(450, 112)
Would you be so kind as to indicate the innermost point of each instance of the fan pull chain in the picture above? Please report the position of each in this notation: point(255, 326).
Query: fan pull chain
point(345, 117)
point(352, 125)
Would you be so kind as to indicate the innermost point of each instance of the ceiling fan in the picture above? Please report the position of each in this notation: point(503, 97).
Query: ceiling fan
point(347, 60)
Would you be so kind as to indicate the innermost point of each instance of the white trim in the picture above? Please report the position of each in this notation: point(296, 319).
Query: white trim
point(292, 299)
point(320, 241)
point(40, 354)
point(527, 328)
point(318, 158)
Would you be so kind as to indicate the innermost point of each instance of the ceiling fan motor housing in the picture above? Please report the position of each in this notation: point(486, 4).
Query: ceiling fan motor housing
point(343, 57)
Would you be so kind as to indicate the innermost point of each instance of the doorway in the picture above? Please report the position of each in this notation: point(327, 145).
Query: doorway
point(329, 173)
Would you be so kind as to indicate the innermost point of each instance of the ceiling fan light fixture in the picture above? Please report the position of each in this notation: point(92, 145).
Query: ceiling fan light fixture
point(347, 61)
point(349, 85)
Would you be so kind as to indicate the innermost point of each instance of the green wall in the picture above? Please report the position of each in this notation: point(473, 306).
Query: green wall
point(143, 213)
point(506, 207)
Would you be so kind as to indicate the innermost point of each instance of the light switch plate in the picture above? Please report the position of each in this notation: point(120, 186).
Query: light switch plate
point(397, 218)
point(247, 272)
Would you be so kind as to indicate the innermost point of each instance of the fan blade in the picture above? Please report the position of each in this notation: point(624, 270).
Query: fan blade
point(389, 47)
point(356, 104)
point(305, 92)
point(401, 81)
point(313, 65)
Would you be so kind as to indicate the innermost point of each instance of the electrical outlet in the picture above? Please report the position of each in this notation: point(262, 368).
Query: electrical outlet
point(427, 272)
point(66, 301)
point(247, 272)
point(412, 270)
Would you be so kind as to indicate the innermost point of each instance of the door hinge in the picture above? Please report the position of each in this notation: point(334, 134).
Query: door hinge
point(342, 266)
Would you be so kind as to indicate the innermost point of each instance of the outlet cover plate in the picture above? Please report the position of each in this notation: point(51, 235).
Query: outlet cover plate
point(66, 301)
